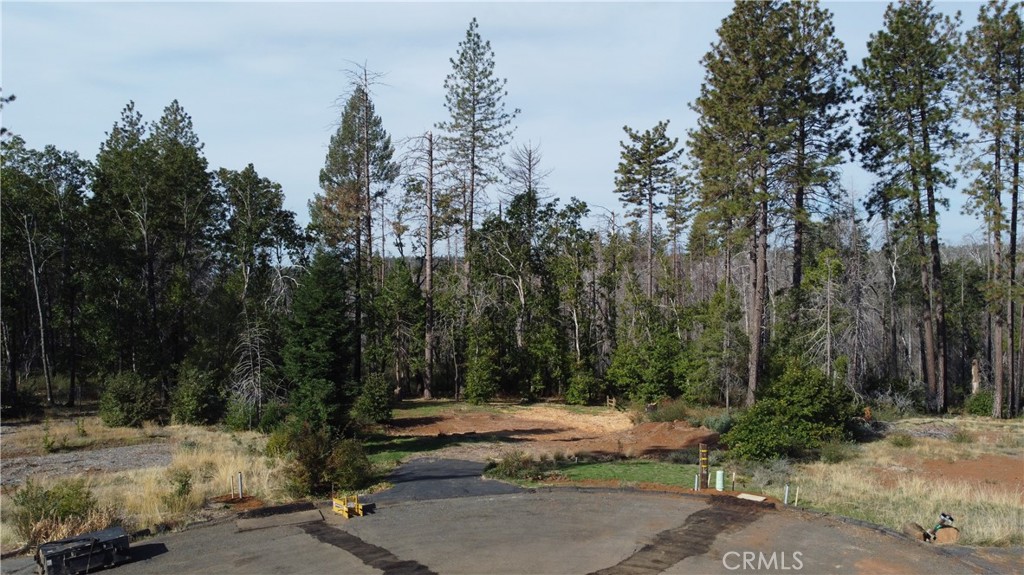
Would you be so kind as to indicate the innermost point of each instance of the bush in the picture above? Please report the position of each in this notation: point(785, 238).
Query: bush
point(687, 456)
point(980, 403)
point(273, 414)
point(962, 436)
point(772, 472)
point(240, 415)
point(348, 466)
point(837, 452)
point(374, 403)
point(670, 411)
point(198, 399)
point(721, 423)
point(799, 412)
point(520, 466)
point(66, 509)
point(584, 387)
point(320, 463)
point(902, 439)
point(128, 401)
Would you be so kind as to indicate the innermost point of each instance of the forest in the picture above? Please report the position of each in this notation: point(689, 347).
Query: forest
point(441, 265)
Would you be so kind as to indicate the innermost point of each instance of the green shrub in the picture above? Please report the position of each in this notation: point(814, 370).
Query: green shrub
point(902, 439)
point(273, 414)
point(240, 416)
point(128, 401)
point(799, 411)
point(374, 403)
point(321, 463)
point(837, 452)
point(68, 499)
point(348, 465)
point(687, 456)
point(584, 387)
point(481, 379)
point(670, 411)
point(980, 403)
point(198, 399)
point(520, 466)
point(721, 423)
point(962, 436)
point(771, 472)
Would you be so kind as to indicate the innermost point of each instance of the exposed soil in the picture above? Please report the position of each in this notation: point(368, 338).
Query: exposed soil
point(546, 430)
point(1000, 472)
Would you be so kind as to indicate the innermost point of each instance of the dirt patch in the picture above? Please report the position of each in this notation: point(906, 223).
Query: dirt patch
point(1000, 471)
point(547, 430)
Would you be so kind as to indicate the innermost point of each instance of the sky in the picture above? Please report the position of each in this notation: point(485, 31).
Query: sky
point(263, 81)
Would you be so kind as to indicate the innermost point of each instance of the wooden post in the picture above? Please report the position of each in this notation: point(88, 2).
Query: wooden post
point(704, 471)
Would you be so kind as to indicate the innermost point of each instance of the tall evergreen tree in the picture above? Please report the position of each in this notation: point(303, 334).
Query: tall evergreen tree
point(742, 131)
point(991, 99)
point(646, 172)
point(817, 91)
point(908, 130)
point(478, 127)
point(357, 172)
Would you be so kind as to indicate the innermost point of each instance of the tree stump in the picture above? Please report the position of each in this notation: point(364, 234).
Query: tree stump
point(946, 536)
point(914, 531)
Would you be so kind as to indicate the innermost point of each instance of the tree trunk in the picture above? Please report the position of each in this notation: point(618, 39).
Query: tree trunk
point(759, 285)
point(39, 308)
point(428, 278)
point(799, 217)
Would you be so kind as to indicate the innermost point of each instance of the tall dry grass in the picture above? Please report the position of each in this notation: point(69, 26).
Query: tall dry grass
point(204, 465)
point(985, 514)
point(77, 433)
point(881, 484)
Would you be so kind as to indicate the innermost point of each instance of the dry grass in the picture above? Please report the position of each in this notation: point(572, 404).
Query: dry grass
point(986, 513)
point(77, 433)
point(202, 467)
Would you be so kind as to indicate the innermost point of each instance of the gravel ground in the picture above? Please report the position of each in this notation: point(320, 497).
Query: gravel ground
point(14, 470)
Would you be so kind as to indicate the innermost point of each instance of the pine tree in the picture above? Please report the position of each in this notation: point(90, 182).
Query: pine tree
point(479, 126)
point(357, 171)
point(742, 131)
point(907, 122)
point(991, 99)
point(818, 93)
point(647, 171)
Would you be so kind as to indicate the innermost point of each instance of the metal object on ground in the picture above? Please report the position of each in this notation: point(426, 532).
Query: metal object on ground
point(347, 506)
point(84, 553)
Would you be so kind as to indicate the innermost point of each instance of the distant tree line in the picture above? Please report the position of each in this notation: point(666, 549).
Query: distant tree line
point(442, 266)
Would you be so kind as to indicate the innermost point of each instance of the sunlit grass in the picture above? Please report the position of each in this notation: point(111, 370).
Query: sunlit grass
point(631, 472)
point(985, 514)
point(207, 460)
point(75, 434)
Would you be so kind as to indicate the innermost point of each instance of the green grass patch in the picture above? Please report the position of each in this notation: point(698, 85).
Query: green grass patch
point(635, 471)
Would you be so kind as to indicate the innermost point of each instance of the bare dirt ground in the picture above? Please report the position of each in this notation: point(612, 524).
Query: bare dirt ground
point(548, 430)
